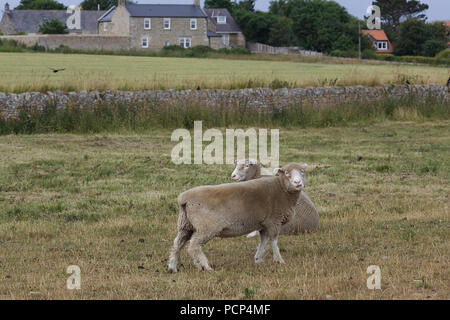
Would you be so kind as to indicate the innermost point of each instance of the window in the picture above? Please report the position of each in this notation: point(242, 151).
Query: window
point(105, 26)
point(185, 42)
point(221, 19)
point(226, 39)
point(193, 24)
point(144, 42)
point(147, 23)
point(166, 23)
point(167, 43)
point(382, 45)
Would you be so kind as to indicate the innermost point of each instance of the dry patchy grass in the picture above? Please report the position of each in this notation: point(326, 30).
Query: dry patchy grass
point(108, 204)
point(20, 72)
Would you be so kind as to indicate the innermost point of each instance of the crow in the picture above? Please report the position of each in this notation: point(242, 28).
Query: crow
point(198, 88)
point(448, 82)
point(407, 82)
point(56, 70)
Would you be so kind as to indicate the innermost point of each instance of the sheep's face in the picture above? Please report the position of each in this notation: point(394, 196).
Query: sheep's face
point(245, 170)
point(294, 176)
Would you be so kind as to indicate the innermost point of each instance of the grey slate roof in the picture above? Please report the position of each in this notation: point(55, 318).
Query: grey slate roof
point(229, 27)
point(161, 10)
point(29, 20)
point(213, 34)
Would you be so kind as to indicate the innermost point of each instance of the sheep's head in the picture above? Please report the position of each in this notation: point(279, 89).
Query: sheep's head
point(245, 170)
point(294, 176)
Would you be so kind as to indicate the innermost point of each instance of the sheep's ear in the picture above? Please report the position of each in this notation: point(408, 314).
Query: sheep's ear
point(304, 166)
point(277, 171)
point(252, 161)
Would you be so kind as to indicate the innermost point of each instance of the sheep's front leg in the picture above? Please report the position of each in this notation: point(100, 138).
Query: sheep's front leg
point(276, 251)
point(259, 256)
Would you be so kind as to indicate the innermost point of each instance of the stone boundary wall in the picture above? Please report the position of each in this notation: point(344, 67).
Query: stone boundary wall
point(11, 104)
point(74, 41)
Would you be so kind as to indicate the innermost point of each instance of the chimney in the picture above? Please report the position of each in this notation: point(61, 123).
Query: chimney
point(7, 8)
point(197, 3)
point(120, 3)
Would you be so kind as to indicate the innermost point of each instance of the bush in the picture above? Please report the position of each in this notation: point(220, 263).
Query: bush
point(234, 51)
point(443, 57)
point(368, 54)
point(344, 53)
point(173, 48)
point(53, 26)
point(433, 47)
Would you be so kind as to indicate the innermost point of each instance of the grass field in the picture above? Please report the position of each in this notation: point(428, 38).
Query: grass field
point(21, 72)
point(107, 203)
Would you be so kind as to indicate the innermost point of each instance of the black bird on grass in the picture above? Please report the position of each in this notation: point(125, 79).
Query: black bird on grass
point(198, 88)
point(56, 70)
point(407, 82)
point(448, 82)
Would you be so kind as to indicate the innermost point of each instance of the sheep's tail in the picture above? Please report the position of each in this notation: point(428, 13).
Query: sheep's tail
point(183, 221)
point(253, 234)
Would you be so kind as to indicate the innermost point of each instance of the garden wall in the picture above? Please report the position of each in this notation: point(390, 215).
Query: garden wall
point(11, 103)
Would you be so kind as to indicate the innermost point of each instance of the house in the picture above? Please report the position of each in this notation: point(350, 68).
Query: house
point(28, 21)
point(380, 40)
point(153, 26)
point(221, 24)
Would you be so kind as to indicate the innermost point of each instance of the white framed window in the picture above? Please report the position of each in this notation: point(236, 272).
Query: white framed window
point(147, 23)
point(144, 42)
point(166, 23)
point(382, 45)
point(226, 39)
point(221, 19)
point(193, 24)
point(167, 43)
point(185, 42)
point(105, 26)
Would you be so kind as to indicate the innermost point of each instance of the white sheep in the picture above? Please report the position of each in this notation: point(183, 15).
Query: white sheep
point(306, 218)
point(235, 209)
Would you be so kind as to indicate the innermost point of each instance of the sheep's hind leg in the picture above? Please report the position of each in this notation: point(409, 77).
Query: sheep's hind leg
point(259, 255)
point(178, 244)
point(196, 252)
point(276, 251)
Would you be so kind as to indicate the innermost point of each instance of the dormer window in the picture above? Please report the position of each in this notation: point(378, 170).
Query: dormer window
point(221, 19)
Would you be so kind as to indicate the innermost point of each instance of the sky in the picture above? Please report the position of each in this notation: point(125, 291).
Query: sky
point(439, 9)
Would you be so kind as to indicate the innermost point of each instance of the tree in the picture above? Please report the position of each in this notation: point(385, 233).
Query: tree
point(53, 26)
point(104, 4)
point(212, 4)
point(93, 4)
point(281, 33)
point(418, 38)
point(40, 5)
point(393, 12)
point(247, 5)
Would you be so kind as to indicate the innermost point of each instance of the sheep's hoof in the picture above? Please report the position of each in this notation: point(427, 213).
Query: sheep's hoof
point(280, 261)
point(207, 268)
point(259, 260)
point(171, 269)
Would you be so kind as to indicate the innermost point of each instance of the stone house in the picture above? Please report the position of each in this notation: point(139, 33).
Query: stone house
point(153, 26)
point(28, 21)
point(222, 24)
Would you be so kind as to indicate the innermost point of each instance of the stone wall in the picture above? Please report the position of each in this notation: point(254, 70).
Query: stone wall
point(11, 104)
point(74, 41)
